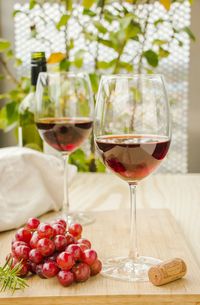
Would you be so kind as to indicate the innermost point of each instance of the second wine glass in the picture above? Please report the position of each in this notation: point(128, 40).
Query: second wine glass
point(64, 118)
point(132, 135)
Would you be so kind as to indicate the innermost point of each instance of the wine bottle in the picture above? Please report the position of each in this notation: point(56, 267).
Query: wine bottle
point(28, 135)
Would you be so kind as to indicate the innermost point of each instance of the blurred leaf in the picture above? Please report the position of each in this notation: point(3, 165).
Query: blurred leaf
point(106, 64)
point(78, 158)
point(100, 166)
point(94, 78)
point(151, 57)
point(126, 20)
point(149, 71)
point(166, 3)
point(55, 58)
point(133, 30)
point(157, 22)
point(180, 43)
point(71, 43)
point(125, 65)
point(100, 27)
point(101, 3)
point(136, 94)
point(25, 84)
point(18, 62)
point(90, 36)
point(3, 119)
point(15, 12)
point(108, 43)
point(69, 5)
point(1, 78)
point(78, 59)
point(33, 31)
point(64, 65)
point(4, 45)
point(109, 16)
point(9, 116)
point(88, 3)
point(9, 54)
point(189, 32)
point(163, 53)
point(159, 42)
point(63, 21)
point(32, 4)
point(4, 95)
point(15, 94)
point(117, 39)
point(88, 12)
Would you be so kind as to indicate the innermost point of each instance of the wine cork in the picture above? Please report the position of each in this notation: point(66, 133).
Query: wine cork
point(167, 271)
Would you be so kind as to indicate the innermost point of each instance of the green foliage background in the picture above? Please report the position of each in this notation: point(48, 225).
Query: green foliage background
point(130, 27)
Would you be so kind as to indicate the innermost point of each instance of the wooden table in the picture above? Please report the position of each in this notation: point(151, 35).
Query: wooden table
point(161, 235)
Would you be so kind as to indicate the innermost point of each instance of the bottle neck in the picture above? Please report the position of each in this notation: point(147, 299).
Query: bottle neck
point(36, 68)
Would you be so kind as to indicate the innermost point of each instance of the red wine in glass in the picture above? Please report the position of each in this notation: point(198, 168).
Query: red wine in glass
point(132, 157)
point(64, 134)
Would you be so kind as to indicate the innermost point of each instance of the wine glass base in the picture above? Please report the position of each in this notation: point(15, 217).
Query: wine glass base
point(81, 217)
point(125, 269)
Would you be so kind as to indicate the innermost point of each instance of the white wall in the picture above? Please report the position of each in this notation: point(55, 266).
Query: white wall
point(194, 94)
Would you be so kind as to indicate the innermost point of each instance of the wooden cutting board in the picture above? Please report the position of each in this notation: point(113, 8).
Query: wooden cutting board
point(159, 236)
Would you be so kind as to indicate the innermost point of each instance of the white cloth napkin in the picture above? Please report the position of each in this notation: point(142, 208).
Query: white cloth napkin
point(31, 184)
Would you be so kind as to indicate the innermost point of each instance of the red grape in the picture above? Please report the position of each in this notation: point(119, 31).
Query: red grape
point(58, 229)
point(32, 223)
point(50, 269)
point(83, 247)
point(70, 239)
point(89, 256)
point(32, 267)
point(22, 252)
point(38, 271)
point(60, 242)
point(35, 256)
point(52, 258)
point(24, 270)
point(96, 267)
point(77, 237)
point(85, 242)
point(61, 222)
point(34, 240)
point(24, 266)
point(12, 260)
point(75, 250)
point(16, 244)
point(81, 272)
point(75, 229)
point(45, 230)
point(48, 250)
point(66, 278)
point(45, 246)
point(65, 261)
point(23, 235)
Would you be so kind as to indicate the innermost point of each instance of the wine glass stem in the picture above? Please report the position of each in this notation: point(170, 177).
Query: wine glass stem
point(133, 252)
point(66, 186)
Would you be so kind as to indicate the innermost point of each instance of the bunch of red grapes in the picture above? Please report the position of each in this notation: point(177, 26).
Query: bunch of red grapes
point(50, 250)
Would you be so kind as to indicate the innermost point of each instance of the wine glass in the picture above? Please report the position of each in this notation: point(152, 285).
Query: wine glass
point(132, 136)
point(64, 117)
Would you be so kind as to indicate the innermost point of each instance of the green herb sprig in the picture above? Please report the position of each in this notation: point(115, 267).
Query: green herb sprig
point(9, 277)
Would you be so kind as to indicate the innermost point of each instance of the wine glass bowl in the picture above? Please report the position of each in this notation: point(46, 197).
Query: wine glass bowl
point(132, 136)
point(64, 118)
